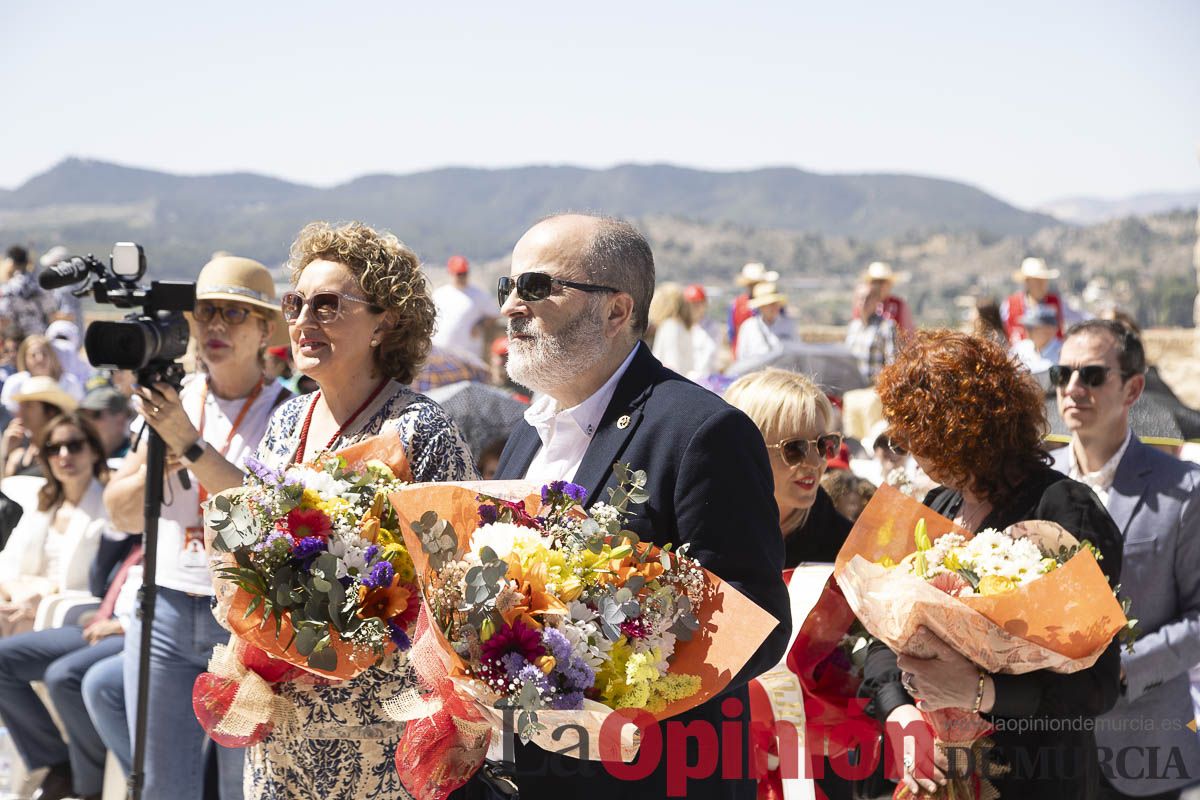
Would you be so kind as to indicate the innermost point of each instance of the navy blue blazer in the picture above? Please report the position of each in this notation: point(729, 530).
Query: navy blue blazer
point(710, 485)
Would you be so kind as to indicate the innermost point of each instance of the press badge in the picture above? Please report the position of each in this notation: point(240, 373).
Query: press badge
point(193, 554)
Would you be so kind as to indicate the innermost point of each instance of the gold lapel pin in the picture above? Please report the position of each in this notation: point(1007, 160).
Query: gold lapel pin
point(623, 422)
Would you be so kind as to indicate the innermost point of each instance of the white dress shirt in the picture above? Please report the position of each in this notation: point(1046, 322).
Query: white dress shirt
point(566, 433)
point(1101, 480)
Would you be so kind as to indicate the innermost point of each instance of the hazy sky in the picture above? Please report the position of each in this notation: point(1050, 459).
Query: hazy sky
point(1028, 100)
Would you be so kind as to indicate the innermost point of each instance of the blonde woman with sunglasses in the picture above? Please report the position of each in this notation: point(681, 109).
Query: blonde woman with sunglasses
point(359, 319)
point(209, 427)
point(796, 420)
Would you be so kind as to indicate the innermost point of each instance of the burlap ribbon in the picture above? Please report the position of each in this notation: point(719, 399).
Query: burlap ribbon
point(234, 704)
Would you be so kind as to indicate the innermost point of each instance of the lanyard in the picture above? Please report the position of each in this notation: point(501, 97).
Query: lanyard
point(237, 422)
point(346, 426)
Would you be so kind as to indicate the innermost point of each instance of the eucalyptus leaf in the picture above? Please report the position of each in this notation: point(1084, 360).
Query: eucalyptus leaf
point(306, 640)
point(325, 659)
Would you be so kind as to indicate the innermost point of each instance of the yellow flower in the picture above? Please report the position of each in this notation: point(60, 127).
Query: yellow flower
point(402, 562)
point(310, 499)
point(570, 589)
point(996, 584)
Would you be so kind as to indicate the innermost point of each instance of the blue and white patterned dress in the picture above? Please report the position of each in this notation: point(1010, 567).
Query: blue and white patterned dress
point(344, 745)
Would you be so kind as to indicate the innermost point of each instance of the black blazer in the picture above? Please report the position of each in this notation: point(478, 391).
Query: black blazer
point(710, 485)
point(1057, 759)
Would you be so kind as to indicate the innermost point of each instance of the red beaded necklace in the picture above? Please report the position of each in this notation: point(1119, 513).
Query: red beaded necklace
point(345, 426)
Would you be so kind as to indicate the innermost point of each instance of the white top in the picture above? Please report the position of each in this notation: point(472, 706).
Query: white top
point(25, 554)
point(1038, 361)
point(673, 346)
point(1101, 480)
point(182, 561)
point(458, 310)
point(755, 338)
point(566, 434)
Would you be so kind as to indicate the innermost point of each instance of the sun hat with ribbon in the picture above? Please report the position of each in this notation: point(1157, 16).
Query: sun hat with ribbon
point(242, 280)
point(1035, 268)
point(756, 272)
point(44, 389)
point(766, 294)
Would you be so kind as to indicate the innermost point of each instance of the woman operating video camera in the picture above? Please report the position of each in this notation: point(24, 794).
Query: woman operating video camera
point(209, 427)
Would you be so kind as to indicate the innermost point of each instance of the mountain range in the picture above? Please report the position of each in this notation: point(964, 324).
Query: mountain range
point(1089, 210)
point(88, 204)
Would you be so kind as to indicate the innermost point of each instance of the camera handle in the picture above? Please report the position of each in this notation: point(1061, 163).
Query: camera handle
point(156, 451)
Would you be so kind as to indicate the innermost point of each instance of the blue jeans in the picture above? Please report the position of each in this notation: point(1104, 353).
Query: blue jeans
point(181, 644)
point(60, 657)
point(104, 696)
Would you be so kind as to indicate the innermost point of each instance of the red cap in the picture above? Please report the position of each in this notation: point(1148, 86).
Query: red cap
point(281, 352)
point(841, 460)
point(695, 294)
point(500, 346)
point(457, 265)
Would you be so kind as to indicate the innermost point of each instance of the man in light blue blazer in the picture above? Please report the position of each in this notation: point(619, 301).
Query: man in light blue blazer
point(1147, 748)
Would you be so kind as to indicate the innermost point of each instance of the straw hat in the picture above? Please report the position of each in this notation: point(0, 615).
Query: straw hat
point(882, 271)
point(756, 272)
point(765, 294)
point(43, 388)
point(1034, 268)
point(242, 280)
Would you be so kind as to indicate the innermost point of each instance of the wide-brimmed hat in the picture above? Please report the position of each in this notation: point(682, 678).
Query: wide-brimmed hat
point(44, 389)
point(1040, 314)
point(1035, 268)
point(765, 294)
point(756, 272)
point(882, 271)
point(242, 280)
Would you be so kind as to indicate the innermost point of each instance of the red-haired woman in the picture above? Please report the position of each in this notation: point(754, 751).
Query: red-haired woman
point(974, 422)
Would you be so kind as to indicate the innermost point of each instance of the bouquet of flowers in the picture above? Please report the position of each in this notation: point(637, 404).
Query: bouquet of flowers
point(1028, 598)
point(540, 611)
point(322, 584)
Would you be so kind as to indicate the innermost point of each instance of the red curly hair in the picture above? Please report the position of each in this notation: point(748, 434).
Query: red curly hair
point(961, 403)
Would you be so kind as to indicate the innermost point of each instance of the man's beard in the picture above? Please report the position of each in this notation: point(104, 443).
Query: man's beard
point(549, 361)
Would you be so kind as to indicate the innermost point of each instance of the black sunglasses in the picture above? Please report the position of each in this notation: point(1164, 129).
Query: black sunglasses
point(795, 451)
point(74, 446)
point(234, 315)
point(1092, 375)
point(325, 306)
point(534, 286)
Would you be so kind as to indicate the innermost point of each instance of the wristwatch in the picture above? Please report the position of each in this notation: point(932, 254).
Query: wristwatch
point(194, 453)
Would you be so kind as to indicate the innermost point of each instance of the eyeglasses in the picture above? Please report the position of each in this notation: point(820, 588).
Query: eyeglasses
point(1092, 375)
point(891, 445)
point(795, 451)
point(326, 306)
point(234, 315)
point(74, 447)
point(534, 286)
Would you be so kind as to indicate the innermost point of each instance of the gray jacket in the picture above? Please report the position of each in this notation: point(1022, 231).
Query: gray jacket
point(1145, 739)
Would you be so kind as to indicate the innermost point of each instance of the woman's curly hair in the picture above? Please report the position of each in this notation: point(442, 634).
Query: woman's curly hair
point(960, 402)
point(389, 274)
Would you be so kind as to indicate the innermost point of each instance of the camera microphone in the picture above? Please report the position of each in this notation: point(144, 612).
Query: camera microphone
point(64, 273)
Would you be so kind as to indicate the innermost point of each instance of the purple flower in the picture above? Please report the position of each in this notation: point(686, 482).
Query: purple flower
point(370, 553)
point(488, 514)
point(556, 644)
point(398, 636)
point(310, 547)
point(381, 576)
point(261, 471)
point(513, 663)
point(552, 491)
point(568, 701)
point(531, 674)
point(271, 539)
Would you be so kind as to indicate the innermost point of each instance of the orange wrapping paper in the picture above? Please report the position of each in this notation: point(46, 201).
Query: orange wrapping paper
point(731, 626)
point(1062, 621)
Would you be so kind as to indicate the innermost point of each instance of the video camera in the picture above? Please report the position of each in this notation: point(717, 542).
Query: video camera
point(147, 341)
